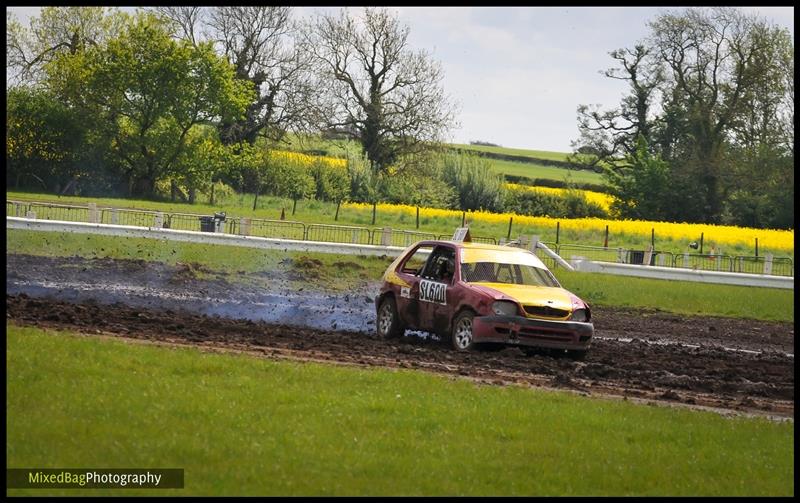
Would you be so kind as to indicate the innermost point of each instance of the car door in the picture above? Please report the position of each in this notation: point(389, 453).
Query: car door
point(409, 271)
point(436, 293)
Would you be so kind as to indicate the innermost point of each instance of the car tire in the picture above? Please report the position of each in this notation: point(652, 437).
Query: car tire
point(461, 337)
point(388, 324)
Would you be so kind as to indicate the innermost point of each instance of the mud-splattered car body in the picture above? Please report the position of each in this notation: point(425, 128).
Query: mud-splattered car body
point(478, 293)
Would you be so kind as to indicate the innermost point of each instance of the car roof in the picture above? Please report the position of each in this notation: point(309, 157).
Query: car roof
point(473, 244)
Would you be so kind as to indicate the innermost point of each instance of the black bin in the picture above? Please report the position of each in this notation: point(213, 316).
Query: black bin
point(207, 224)
point(637, 257)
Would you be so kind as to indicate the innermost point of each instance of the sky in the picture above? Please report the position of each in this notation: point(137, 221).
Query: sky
point(518, 74)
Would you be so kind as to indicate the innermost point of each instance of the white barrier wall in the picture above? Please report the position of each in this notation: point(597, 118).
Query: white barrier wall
point(678, 274)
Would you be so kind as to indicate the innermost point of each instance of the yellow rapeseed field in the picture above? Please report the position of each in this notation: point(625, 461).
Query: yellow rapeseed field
point(307, 160)
point(600, 199)
point(717, 234)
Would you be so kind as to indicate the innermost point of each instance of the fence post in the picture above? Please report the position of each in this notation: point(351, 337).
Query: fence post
point(294, 206)
point(605, 243)
point(532, 245)
point(756, 247)
point(701, 243)
point(463, 218)
point(510, 220)
point(417, 217)
point(93, 213)
point(386, 236)
point(374, 207)
point(653, 237)
point(336, 217)
point(244, 226)
point(558, 230)
point(768, 264)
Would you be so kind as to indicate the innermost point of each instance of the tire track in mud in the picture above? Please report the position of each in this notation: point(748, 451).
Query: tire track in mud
point(704, 377)
point(668, 358)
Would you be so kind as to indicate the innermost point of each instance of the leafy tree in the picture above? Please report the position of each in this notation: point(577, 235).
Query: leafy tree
point(377, 90)
point(708, 90)
point(258, 41)
point(153, 90)
point(43, 140)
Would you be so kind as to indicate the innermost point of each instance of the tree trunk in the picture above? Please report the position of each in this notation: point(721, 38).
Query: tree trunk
point(192, 195)
point(173, 189)
point(211, 201)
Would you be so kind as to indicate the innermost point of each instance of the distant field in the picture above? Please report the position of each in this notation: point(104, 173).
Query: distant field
point(532, 170)
point(538, 154)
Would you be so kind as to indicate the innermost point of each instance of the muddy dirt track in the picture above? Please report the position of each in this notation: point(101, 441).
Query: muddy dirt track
point(737, 365)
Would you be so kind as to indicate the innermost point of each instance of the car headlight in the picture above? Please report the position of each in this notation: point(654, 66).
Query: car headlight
point(504, 308)
point(579, 315)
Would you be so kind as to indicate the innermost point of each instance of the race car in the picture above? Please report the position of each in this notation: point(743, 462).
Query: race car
point(477, 294)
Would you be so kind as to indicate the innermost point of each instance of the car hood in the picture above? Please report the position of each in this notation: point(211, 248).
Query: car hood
point(554, 297)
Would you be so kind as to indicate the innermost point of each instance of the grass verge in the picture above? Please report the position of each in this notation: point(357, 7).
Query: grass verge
point(240, 425)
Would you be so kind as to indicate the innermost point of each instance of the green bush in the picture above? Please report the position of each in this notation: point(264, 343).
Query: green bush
point(478, 188)
point(572, 204)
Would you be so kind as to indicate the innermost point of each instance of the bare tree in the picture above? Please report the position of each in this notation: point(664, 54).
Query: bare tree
point(54, 31)
point(378, 90)
point(612, 134)
point(259, 42)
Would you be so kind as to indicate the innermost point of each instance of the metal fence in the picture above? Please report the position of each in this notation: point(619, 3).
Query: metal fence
point(287, 229)
point(338, 234)
point(278, 229)
point(397, 237)
point(477, 239)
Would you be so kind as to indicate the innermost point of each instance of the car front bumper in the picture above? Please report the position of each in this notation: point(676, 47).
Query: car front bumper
point(522, 331)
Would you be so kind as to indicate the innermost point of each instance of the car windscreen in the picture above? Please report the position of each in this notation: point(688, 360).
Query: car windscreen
point(513, 274)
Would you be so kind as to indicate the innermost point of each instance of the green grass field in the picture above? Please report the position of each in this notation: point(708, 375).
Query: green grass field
point(342, 273)
point(534, 154)
point(240, 425)
point(533, 170)
point(313, 211)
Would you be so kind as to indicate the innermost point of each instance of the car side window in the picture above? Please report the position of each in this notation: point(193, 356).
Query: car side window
point(442, 265)
point(415, 263)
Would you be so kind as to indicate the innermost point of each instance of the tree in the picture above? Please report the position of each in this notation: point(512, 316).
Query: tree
point(709, 89)
point(56, 31)
point(43, 140)
point(378, 91)
point(258, 41)
point(153, 90)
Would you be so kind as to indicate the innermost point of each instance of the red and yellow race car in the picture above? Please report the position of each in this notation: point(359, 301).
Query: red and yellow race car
point(474, 293)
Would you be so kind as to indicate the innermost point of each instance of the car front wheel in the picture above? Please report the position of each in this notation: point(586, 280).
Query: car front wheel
point(389, 325)
point(462, 339)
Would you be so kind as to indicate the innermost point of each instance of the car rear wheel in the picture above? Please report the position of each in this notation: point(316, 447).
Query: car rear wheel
point(462, 339)
point(389, 325)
